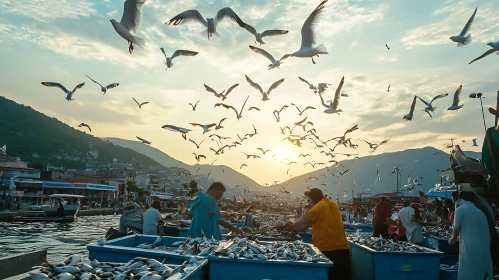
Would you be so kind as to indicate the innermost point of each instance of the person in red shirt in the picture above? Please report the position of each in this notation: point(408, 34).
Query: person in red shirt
point(382, 214)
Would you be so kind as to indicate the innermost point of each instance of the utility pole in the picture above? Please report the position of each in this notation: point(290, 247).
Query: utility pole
point(497, 108)
point(352, 196)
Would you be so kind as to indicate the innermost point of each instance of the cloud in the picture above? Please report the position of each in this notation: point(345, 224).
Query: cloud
point(382, 58)
point(46, 10)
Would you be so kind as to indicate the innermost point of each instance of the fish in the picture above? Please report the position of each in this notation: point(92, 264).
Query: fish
point(72, 260)
point(385, 245)
point(151, 276)
point(37, 276)
point(158, 241)
point(65, 276)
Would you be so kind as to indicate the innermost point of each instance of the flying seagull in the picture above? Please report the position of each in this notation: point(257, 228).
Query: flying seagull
point(197, 145)
point(304, 155)
point(310, 86)
point(219, 126)
point(144, 140)
point(308, 36)
point(85, 125)
point(206, 127)
point(378, 145)
point(462, 39)
point(389, 85)
point(265, 95)
point(140, 104)
point(282, 129)
point(220, 95)
point(455, 103)
point(69, 94)
point(169, 60)
point(387, 46)
point(210, 23)
point(132, 14)
point(333, 105)
point(274, 63)
point(266, 33)
point(300, 112)
point(253, 108)
point(277, 114)
point(377, 177)
point(263, 151)
point(409, 116)
point(174, 128)
point(495, 48)
point(243, 165)
point(194, 106)
point(238, 115)
point(102, 88)
point(474, 142)
point(429, 107)
point(198, 157)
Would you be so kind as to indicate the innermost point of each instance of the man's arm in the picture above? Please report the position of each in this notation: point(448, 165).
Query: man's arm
point(300, 225)
point(230, 227)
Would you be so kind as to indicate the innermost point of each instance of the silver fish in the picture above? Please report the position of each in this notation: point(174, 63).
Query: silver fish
point(72, 260)
point(65, 276)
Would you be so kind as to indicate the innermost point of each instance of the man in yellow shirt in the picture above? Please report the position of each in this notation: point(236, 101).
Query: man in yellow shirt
point(328, 232)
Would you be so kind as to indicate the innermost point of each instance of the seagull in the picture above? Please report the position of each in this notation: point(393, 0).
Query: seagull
point(310, 86)
point(69, 94)
point(3, 149)
point(429, 108)
point(243, 165)
point(474, 142)
point(387, 46)
point(265, 95)
point(341, 173)
point(293, 162)
point(102, 88)
point(85, 125)
point(210, 23)
point(183, 131)
point(263, 151)
point(381, 143)
point(198, 157)
point(219, 137)
point(300, 123)
point(144, 140)
point(495, 48)
point(322, 87)
point(274, 63)
point(333, 105)
point(219, 126)
point(221, 150)
point(213, 162)
point(238, 115)
point(277, 114)
point(197, 146)
point(251, 156)
point(389, 85)
point(194, 106)
point(311, 164)
point(169, 60)
point(344, 94)
point(304, 155)
point(252, 134)
point(266, 33)
point(282, 129)
point(132, 14)
point(409, 116)
point(220, 95)
point(300, 111)
point(455, 103)
point(140, 104)
point(206, 127)
point(253, 108)
point(308, 36)
point(462, 39)
point(241, 139)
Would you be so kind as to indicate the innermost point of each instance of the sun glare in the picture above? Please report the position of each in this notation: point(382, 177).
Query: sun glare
point(281, 153)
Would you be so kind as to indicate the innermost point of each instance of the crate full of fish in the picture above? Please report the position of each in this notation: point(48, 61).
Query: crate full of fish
point(380, 259)
point(448, 274)
point(245, 259)
point(266, 233)
point(74, 267)
point(437, 238)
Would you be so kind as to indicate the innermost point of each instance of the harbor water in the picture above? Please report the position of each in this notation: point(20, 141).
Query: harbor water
point(61, 239)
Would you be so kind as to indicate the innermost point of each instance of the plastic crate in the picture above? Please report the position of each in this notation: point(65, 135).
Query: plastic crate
point(306, 237)
point(449, 259)
point(183, 232)
point(224, 268)
point(369, 264)
point(448, 274)
point(168, 230)
point(122, 250)
point(441, 245)
point(268, 239)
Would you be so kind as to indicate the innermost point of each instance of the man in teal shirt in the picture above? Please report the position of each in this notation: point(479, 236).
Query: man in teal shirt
point(206, 215)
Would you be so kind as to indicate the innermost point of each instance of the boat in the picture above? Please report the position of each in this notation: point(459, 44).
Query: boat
point(70, 205)
point(11, 266)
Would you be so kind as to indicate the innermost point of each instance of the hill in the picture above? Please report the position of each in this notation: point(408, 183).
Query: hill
point(41, 140)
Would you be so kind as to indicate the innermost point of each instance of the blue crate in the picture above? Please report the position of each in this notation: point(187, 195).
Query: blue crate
point(369, 264)
point(363, 227)
point(183, 232)
point(223, 268)
point(306, 237)
point(448, 274)
point(441, 245)
point(449, 259)
point(268, 239)
point(122, 250)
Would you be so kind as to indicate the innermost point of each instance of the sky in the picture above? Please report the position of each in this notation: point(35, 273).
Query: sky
point(61, 41)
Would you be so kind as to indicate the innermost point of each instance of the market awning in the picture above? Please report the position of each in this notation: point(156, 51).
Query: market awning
point(442, 191)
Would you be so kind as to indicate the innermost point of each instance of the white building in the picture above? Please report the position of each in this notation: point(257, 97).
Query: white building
point(142, 180)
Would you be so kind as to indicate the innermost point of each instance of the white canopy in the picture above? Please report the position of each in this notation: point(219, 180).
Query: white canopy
point(60, 195)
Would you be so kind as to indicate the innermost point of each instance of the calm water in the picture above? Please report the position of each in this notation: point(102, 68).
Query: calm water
point(61, 239)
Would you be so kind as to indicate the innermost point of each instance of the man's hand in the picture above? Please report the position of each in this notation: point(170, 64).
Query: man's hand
point(452, 240)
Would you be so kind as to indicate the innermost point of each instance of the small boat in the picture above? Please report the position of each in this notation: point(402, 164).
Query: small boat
point(63, 205)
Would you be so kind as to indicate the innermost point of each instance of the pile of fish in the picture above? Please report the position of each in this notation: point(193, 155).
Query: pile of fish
point(438, 232)
point(138, 268)
point(277, 250)
point(385, 245)
point(455, 266)
point(268, 231)
point(200, 246)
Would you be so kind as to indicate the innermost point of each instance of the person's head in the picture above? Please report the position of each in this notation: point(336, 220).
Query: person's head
point(468, 196)
point(157, 204)
point(216, 190)
point(131, 197)
point(314, 195)
point(407, 203)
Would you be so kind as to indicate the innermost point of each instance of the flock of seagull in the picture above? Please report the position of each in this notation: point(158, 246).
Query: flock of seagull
point(129, 23)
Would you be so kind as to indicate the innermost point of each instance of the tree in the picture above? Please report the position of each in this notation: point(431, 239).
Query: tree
point(132, 187)
point(192, 188)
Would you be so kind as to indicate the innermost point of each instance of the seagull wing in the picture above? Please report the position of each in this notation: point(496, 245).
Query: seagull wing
point(283, 107)
point(456, 96)
point(163, 51)
point(308, 107)
point(303, 80)
point(274, 86)
point(228, 12)
point(50, 84)
point(231, 88)
point(468, 24)
point(296, 107)
point(254, 85)
point(210, 89)
point(491, 51)
point(93, 80)
point(250, 29)
point(264, 53)
point(183, 53)
point(132, 14)
point(136, 101)
point(144, 103)
point(413, 105)
point(426, 103)
point(242, 108)
point(226, 107)
point(175, 128)
point(439, 96)
point(322, 101)
point(187, 16)
point(336, 101)
point(196, 124)
point(307, 31)
point(255, 108)
point(221, 121)
point(78, 87)
point(193, 142)
point(274, 32)
point(113, 85)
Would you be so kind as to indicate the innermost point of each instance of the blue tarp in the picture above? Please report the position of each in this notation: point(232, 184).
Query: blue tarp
point(442, 191)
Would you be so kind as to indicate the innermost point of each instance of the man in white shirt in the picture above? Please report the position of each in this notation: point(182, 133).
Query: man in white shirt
point(151, 218)
point(407, 216)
